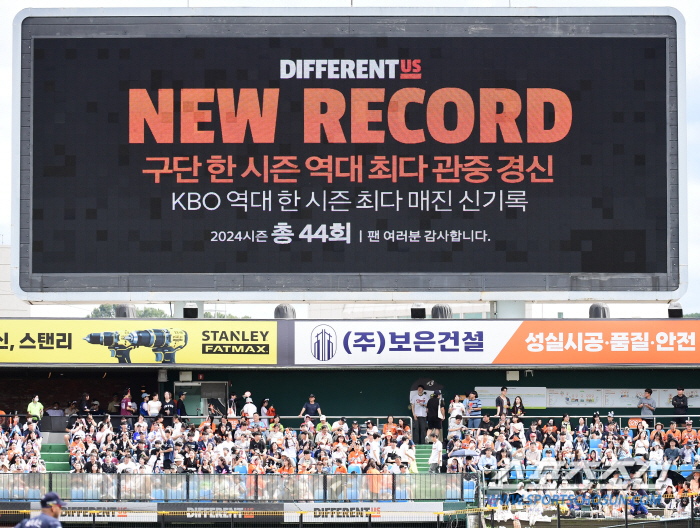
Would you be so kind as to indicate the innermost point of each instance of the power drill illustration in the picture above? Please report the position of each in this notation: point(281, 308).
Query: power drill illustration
point(163, 342)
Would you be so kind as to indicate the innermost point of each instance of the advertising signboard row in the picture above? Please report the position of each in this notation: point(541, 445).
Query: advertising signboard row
point(354, 344)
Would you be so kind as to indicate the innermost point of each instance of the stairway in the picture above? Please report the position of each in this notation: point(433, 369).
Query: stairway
point(56, 457)
point(422, 457)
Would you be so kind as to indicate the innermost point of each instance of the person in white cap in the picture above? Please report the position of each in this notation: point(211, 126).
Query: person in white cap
point(249, 409)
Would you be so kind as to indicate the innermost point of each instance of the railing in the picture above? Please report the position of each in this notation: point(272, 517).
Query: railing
point(184, 487)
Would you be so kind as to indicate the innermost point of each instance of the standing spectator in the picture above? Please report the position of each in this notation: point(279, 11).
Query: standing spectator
point(311, 408)
point(126, 406)
point(143, 409)
point(113, 406)
point(503, 403)
point(168, 409)
point(434, 407)
point(518, 408)
point(435, 454)
point(419, 407)
point(55, 410)
point(84, 405)
point(474, 410)
point(647, 404)
point(154, 406)
point(264, 412)
point(181, 410)
point(35, 408)
point(456, 408)
point(680, 404)
point(249, 409)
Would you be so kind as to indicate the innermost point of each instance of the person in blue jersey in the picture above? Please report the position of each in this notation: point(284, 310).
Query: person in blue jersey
point(51, 505)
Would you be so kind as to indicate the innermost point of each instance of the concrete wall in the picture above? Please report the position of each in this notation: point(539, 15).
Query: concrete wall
point(10, 306)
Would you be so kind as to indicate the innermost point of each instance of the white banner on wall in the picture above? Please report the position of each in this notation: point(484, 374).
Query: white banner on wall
point(574, 398)
point(630, 397)
point(533, 397)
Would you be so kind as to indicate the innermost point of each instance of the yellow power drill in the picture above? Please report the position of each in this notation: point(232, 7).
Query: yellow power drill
point(163, 342)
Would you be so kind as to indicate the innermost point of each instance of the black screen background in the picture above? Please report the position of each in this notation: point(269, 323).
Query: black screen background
point(94, 211)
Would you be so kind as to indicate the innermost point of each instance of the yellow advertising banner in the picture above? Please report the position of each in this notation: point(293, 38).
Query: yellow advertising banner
point(138, 341)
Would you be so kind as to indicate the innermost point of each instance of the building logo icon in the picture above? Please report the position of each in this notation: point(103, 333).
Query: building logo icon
point(323, 343)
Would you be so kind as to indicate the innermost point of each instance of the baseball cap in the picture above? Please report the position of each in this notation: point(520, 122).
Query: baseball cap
point(181, 393)
point(95, 402)
point(144, 395)
point(611, 413)
point(51, 499)
point(323, 417)
point(311, 396)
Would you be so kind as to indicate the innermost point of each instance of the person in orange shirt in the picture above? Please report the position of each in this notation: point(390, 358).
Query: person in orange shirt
point(689, 435)
point(374, 479)
point(389, 427)
point(338, 480)
point(672, 432)
point(287, 467)
point(356, 456)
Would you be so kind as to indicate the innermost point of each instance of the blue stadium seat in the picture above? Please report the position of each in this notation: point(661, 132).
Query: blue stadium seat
point(4, 494)
point(355, 468)
point(686, 470)
point(353, 494)
point(176, 494)
point(595, 443)
point(205, 495)
point(33, 494)
point(530, 471)
point(469, 490)
point(77, 494)
point(318, 494)
point(401, 495)
point(240, 469)
point(158, 495)
point(674, 467)
point(92, 494)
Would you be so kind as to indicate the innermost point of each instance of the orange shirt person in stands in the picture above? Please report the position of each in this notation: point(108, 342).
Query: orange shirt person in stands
point(374, 480)
point(673, 432)
point(689, 435)
point(389, 427)
point(287, 467)
point(356, 456)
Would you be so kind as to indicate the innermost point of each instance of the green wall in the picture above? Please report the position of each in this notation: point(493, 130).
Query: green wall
point(382, 392)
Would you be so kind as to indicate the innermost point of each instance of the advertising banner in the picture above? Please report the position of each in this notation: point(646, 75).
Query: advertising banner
point(90, 512)
point(492, 342)
point(630, 397)
point(574, 397)
point(533, 397)
point(418, 148)
point(343, 512)
point(142, 341)
point(195, 513)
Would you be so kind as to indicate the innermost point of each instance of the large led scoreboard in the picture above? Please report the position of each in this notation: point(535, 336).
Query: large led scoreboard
point(310, 154)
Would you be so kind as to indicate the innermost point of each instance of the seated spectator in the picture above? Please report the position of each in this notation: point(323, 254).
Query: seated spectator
point(672, 454)
point(55, 410)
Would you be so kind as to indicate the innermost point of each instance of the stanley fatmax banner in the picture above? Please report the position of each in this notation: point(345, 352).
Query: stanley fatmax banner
point(142, 341)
